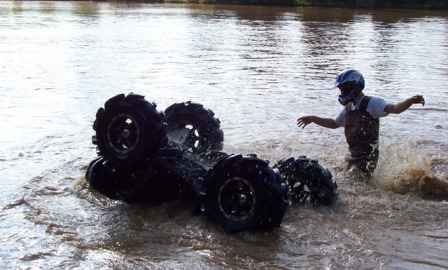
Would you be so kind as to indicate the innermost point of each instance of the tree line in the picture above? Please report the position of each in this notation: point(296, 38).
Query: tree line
point(388, 4)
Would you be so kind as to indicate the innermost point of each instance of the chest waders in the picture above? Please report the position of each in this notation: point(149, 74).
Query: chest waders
point(361, 133)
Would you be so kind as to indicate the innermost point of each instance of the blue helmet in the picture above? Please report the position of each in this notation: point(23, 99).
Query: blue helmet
point(351, 83)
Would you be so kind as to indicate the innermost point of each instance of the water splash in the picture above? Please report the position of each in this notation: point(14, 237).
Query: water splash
point(405, 169)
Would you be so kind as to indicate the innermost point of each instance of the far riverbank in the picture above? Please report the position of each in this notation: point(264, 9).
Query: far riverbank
point(380, 4)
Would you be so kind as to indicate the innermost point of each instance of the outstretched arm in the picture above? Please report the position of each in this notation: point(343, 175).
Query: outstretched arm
point(324, 122)
point(404, 105)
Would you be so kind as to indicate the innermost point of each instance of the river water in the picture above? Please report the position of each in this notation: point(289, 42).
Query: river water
point(258, 69)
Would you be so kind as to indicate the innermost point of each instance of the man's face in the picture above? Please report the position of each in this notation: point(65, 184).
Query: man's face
point(345, 88)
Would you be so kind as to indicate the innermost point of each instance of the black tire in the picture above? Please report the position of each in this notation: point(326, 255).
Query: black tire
point(193, 128)
point(102, 178)
point(90, 166)
point(126, 185)
point(307, 181)
point(129, 130)
point(243, 192)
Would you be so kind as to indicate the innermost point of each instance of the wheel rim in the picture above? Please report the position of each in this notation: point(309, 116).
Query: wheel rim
point(236, 199)
point(186, 135)
point(300, 192)
point(123, 133)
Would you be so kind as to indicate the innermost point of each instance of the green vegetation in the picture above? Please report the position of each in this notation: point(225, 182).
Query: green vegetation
point(409, 4)
point(390, 4)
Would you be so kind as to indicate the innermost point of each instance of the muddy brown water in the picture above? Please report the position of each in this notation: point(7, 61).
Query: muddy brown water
point(258, 69)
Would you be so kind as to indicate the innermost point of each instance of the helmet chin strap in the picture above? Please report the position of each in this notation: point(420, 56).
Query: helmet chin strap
point(360, 95)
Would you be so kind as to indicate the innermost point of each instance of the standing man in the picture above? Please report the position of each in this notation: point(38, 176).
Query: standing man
point(360, 119)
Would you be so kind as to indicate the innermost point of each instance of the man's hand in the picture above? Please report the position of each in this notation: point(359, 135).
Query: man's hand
point(418, 99)
point(304, 121)
point(323, 122)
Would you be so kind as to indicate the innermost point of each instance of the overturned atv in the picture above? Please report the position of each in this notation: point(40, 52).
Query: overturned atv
point(147, 155)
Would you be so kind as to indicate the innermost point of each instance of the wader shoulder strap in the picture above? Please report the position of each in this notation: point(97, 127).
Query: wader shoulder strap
point(364, 103)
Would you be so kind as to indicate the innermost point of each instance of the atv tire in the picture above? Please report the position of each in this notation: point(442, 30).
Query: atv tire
point(243, 192)
point(193, 128)
point(307, 181)
point(129, 130)
point(127, 185)
point(102, 177)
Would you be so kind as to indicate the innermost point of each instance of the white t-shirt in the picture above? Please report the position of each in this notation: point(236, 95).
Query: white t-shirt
point(375, 108)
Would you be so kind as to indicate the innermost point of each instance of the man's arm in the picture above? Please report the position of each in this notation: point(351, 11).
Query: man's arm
point(404, 105)
point(324, 122)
